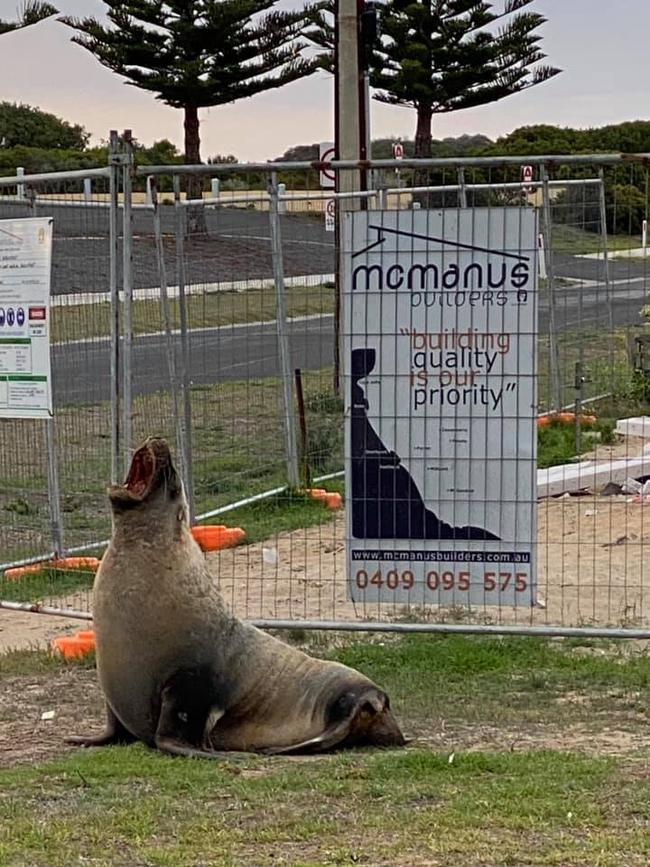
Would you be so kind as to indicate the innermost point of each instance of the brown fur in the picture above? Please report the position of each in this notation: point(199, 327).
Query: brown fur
point(180, 672)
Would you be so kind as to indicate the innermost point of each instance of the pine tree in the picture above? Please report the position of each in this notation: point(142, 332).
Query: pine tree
point(444, 55)
point(31, 13)
point(198, 53)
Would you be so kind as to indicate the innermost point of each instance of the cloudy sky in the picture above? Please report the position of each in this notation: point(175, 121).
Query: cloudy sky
point(605, 80)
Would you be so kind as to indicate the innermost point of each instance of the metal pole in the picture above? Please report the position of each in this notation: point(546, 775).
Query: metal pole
point(174, 385)
point(578, 383)
point(554, 354)
point(302, 416)
point(290, 439)
point(350, 138)
point(20, 188)
point(113, 230)
point(186, 440)
point(127, 285)
point(603, 229)
point(370, 180)
point(462, 189)
point(53, 489)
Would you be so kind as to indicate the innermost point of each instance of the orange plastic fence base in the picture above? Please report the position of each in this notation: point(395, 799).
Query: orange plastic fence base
point(74, 646)
point(214, 537)
point(90, 564)
point(332, 501)
point(566, 418)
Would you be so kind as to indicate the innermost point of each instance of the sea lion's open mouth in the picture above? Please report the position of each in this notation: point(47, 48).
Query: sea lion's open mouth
point(141, 472)
point(150, 463)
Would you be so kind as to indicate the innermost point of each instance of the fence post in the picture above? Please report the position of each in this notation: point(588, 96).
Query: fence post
point(186, 440)
point(127, 287)
point(53, 489)
point(20, 188)
point(174, 385)
point(113, 232)
point(462, 190)
point(603, 229)
point(554, 354)
point(88, 189)
point(290, 440)
point(149, 194)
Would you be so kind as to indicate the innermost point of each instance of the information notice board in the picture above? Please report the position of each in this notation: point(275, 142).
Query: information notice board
point(439, 326)
point(25, 274)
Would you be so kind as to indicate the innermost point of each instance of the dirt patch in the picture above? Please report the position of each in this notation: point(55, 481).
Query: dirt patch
point(21, 630)
point(591, 571)
point(74, 696)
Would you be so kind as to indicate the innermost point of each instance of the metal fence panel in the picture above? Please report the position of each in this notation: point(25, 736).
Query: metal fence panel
point(207, 372)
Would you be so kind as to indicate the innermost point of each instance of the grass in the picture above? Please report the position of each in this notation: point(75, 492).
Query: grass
point(210, 310)
point(571, 239)
point(499, 807)
point(230, 421)
point(556, 443)
point(606, 368)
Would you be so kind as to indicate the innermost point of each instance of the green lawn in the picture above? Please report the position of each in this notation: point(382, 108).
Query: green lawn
point(571, 239)
point(209, 310)
point(479, 785)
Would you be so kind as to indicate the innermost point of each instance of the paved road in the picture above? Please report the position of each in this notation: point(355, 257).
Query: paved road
point(236, 247)
point(82, 370)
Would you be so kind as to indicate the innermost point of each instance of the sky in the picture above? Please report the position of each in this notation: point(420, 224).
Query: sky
point(604, 57)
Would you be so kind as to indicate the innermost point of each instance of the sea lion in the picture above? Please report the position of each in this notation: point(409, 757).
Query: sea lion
point(182, 674)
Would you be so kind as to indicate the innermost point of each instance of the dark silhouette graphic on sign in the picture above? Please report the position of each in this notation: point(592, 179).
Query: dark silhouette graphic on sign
point(386, 503)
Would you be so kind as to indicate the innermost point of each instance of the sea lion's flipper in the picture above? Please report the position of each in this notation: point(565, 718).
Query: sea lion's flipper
point(186, 719)
point(356, 718)
point(114, 733)
point(329, 739)
point(175, 747)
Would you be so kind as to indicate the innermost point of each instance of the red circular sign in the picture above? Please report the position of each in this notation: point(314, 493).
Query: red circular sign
point(325, 156)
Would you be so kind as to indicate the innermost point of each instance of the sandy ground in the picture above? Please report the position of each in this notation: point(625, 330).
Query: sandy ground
point(591, 570)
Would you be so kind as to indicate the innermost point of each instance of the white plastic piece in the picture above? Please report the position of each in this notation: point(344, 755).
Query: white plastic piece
point(634, 427)
point(631, 486)
point(270, 556)
point(587, 474)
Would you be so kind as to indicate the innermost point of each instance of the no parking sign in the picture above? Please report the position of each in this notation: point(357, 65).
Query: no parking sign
point(326, 152)
point(330, 215)
point(527, 178)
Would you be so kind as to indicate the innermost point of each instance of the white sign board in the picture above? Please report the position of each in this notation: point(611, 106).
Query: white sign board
point(441, 435)
point(25, 268)
point(326, 153)
point(330, 215)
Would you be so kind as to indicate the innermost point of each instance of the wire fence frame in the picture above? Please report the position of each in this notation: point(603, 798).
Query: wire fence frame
point(121, 174)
